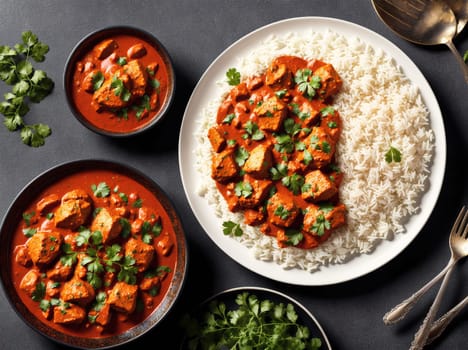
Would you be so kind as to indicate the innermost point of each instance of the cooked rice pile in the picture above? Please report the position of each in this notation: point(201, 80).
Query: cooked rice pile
point(379, 108)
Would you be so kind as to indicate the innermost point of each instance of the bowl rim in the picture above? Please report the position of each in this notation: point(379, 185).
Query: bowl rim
point(93, 38)
point(32, 190)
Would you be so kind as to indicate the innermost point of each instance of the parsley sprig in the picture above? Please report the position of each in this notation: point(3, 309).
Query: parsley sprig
point(28, 85)
point(255, 324)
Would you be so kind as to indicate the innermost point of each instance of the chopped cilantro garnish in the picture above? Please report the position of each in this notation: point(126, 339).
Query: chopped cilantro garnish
point(243, 189)
point(97, 80)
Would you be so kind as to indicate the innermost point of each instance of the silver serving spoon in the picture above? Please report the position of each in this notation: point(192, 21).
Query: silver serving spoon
point(460, 9)
point(423, 22)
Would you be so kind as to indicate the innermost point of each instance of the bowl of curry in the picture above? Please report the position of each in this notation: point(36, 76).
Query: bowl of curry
point(119, 81)
point(93, 254)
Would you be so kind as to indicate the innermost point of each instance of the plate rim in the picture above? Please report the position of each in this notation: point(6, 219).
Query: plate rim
point(435, 177)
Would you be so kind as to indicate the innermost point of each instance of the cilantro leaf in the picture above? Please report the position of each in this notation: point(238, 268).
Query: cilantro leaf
point(328, 110)
point(241, 156)
point(284, 143)
point(101, 190)
point(243, 189)
point(307, 83)
point(294, 236)
point(253, 131)
point(293, 182)
point(297, 111)
point(233, 76)
point(282, 212)
point(27, 217)
point(128, 270)
point(97, 80)
point(229, 118)
point(29, 232)
point(232, 228)
point(69, 256)
point(39, 292)
point(278, 172)
point(126, 227)
point(24, 69)
point(393, 155)
point(34, 135)
point(120, 89)
point(27, 82)
point(321, 225)
point(94, 267)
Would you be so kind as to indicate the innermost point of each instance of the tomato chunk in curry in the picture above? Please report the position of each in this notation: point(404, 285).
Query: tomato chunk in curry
point(94, 254)
point(274, 147)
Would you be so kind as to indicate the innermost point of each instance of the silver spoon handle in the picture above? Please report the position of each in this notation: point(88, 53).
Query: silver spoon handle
point(422, 334)
point(439, 326)
point(401, 310)
point(460, 60)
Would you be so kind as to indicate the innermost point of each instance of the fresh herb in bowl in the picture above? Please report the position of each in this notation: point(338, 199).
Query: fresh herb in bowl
point(28, 85)
point(255, 323)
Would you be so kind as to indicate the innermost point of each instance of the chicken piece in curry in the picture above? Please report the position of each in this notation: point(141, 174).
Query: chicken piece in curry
point(274, 145)
point(93, 258)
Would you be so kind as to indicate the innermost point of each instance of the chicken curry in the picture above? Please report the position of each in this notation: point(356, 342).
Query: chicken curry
point(120, 84)
point(94, 254)
point(274, 151)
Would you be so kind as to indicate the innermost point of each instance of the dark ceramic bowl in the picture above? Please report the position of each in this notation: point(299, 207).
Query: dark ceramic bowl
point(85, 114)
point(14, 216)
point(228, 298)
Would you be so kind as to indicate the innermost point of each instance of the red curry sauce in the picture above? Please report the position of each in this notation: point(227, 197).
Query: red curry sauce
point(135, 235)
point(274, 151)
point(121, 84)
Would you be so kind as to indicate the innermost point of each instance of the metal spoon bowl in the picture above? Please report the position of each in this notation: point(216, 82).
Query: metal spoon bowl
point(460, 9)
point(423, 22)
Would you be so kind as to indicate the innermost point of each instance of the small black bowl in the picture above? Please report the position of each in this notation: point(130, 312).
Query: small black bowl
point(14, 216)
point(85, 46)
point(228, 298)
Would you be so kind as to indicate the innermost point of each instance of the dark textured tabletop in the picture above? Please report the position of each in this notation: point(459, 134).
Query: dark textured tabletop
point(195, 33)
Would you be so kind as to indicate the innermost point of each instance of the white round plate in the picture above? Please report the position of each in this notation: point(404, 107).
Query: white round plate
point(203, 94)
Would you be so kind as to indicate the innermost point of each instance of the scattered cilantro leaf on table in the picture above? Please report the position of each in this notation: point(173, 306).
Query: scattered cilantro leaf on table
point(28, 85)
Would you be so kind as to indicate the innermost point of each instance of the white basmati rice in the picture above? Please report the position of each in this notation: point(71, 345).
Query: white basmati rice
point(379, 108)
